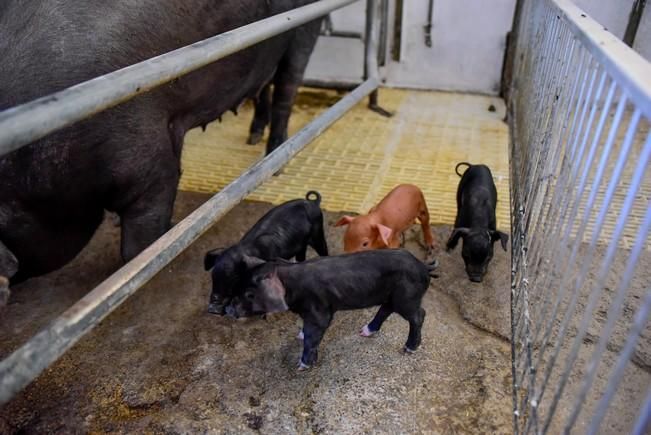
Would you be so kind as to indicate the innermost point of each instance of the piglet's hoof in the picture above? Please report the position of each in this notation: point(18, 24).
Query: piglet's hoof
point(302, 366)
point(408, 351)
point(300, 335)
point(366, 332)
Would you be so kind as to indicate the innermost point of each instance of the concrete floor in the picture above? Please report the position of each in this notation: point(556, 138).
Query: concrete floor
point(161, 364)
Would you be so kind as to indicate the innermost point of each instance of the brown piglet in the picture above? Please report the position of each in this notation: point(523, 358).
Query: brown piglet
point(385, 223)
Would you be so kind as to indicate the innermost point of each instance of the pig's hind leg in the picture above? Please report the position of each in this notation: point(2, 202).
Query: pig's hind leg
point(423, 217)
point(415, 320)
point(374, 326)
point(317, 238)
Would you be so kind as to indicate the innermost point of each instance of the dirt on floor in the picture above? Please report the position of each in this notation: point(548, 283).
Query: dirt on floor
point(161, 364)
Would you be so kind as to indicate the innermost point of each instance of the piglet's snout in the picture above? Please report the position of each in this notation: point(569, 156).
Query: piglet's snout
point(231, 312)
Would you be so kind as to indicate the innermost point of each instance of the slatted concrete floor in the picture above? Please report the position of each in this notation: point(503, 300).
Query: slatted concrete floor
point(364, 155)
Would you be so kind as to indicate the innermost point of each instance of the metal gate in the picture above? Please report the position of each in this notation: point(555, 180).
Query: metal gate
point(581, 201)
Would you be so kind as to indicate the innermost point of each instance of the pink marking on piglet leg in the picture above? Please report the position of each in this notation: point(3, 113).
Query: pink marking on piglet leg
point(366, 332)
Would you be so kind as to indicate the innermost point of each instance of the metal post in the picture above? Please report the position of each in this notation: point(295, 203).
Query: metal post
point(26, 363)
point(31, 121)
point(371, 68)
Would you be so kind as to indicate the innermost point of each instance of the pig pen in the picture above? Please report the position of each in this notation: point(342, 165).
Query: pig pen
point(556, 338)
point(162, 364)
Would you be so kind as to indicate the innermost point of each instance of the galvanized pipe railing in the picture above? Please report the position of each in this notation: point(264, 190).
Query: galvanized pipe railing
point(580, 105)
point(31, 121)
point(28, 361)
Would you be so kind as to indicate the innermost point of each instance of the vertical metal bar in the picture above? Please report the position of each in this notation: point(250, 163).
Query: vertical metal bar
point(553, 71)
point(371, 68)
point(370, 41)
point(613, 313)
point(547, 127)
point(561, 155)
point(384, 32)
point(610, 254)
point(633, 22)
point(588, 165)
point(553, 171)
point(640, 321)
point(560, 261)
point(644, 420)
point(553, 217)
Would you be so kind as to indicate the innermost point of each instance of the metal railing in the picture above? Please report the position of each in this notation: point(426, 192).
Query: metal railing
point(580, 104)
point(31, 121)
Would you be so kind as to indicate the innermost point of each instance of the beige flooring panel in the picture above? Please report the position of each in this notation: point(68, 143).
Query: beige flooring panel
point(364, 155)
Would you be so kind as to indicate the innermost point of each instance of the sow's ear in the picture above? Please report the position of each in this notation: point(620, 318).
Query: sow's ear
point(211, 257)
point(345, 220)
point(384, 233)
point(454, 237)
point(270, 296)
point(503, 238)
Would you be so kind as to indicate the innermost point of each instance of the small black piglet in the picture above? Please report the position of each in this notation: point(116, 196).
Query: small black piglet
point(317, 288)
point(284, 232)
point(475, 222)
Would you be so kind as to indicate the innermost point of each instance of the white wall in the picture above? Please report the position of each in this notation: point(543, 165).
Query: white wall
point(340, 58)
point(468, 42)
point(642, 42)
point(612, 14)
point(468, 46)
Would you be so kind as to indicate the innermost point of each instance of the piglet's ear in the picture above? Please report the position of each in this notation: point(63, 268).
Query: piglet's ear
point(345, 220)
point(211, 257)
point(271, 296)
point(384, 233)
point(503, 238)
point(251, 262)
point(454, 237)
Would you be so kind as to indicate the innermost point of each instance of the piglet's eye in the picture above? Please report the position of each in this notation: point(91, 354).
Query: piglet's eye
point(365, 244)
point(248, 296)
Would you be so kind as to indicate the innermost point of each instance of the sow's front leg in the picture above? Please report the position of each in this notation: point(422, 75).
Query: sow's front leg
point(150, 215)
point(262, 115)
point(8, 268)
point(288, 78)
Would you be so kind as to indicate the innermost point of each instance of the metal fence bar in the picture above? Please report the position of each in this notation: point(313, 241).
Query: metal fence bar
point(26, 363)
point(557, 212)
point(579, 101)
point(31, 121)
point(554, 161)
point(613, 313)
point(644, 420)
point(610, 52)
point(587, 260)
point(544, 220)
